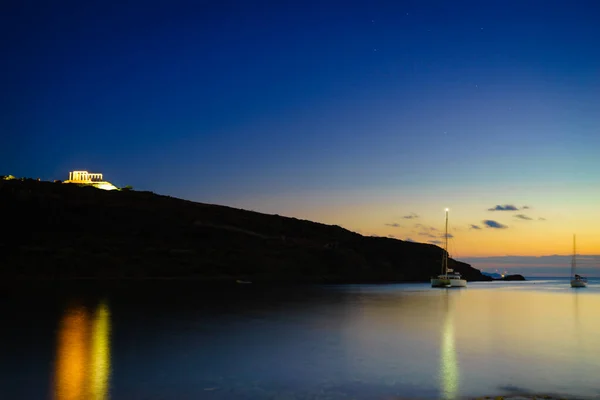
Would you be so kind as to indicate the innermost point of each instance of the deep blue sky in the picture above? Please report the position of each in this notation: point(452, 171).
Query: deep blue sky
point(224, 101)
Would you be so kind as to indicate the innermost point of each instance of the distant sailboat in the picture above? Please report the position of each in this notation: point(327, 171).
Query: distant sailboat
point(448, 278)
point(577, 281)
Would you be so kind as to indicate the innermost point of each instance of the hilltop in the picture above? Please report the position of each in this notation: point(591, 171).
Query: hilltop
point(68, 231)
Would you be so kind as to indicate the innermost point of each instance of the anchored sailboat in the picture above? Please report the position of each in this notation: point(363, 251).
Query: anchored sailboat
point(577, 281)
point(448, 278)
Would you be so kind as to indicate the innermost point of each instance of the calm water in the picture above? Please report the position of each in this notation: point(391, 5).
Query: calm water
point(330, 342)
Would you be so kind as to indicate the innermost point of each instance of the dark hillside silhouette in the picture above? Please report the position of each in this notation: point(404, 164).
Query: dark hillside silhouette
point(56, 231)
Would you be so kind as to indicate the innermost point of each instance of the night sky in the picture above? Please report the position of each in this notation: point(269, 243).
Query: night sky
point(375, 116)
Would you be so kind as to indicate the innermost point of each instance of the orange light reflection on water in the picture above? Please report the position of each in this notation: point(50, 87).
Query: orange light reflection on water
point(100, 364)
point(72, 355)
point(83, 355)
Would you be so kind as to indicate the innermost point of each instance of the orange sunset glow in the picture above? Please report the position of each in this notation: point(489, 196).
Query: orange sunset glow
point(540, 225)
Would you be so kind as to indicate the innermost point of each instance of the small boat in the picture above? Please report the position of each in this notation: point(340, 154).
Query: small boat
point(577, 281)
point(441, 281)
point(456, 279)
point(448, 278)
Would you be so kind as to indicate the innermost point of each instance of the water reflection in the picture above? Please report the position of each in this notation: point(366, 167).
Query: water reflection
point(72, 356)
point(449, 372)
point(364, 342)
point(83, 354)
point(100, 363)
point(577, 322)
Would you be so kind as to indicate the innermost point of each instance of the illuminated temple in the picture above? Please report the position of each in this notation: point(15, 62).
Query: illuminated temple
point(89, 178)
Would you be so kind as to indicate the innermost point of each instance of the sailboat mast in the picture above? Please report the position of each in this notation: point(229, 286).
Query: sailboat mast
point(573, 259)
point(446, 246)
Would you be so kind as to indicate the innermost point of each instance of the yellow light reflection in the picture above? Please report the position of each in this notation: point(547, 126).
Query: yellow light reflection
point(71, 365)
point(449, 374)
point(100, 357)
point(83, 355)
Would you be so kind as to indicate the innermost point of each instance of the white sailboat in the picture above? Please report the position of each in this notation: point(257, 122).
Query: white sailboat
point(448, 278)
point(577, 281)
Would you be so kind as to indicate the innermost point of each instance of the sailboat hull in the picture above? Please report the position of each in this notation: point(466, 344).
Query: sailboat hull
point(578, 283)
point(458, 282)
point(440, 283)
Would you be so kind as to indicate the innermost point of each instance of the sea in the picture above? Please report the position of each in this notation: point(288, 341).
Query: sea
point(174, 340)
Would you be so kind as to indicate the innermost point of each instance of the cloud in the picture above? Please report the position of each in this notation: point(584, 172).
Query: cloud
point(394, 225)
point(426, 228)
point(429, 235)
point(523, 216)
point(435, 241)
point(475, 226)
point(411, 216)
point(449, 235)
point(392, 236)
point(506, 207)
point(409, 240)
point(541, 219)
point(525, 207)
point(493, 224)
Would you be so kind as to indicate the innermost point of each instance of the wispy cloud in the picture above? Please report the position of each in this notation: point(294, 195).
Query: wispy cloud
point(523, 216)
point(409, 239)
point(394, 225)
point(449, 235)
point(411, 216)
point(392, 236)
point(474, 227)
point(435, 241)
point(505, 207)
point(425, 228)
point(541, 219)
point(493, 224)
point(427, 234)
point(525, 207)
